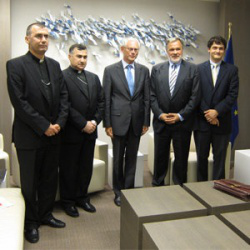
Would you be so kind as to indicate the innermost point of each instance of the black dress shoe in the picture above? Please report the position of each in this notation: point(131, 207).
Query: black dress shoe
point(87, 206)
point(71, 211)
point(117, 200)
point(53, 222)
point(31, 235)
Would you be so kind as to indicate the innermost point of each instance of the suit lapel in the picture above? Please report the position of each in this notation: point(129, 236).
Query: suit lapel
point(137, 78)
point(35, 74)
point(164, 79)
point(77, 82)
point(208, 73)
point(180, 78)
point(222, 72)
point(51, 77)
point(90, 84)
point(121, 74)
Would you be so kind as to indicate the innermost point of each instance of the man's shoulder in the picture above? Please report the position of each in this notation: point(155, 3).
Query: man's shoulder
point(51, 60)
point(189, 64)
point(229, 66)
point(66, 71)
point(160, 65)
point(203, 65)
point(142, 66)
point(18, 59)
point(91, 74)
point(113, 66)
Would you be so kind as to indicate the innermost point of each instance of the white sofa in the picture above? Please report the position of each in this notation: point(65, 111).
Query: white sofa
point(98, 180)
point(151, 158)
point(4, 156)
point(138, 173)
point(192, 162)
point(12, 219)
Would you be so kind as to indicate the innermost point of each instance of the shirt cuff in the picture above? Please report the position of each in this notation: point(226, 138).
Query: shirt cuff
point(181, 118)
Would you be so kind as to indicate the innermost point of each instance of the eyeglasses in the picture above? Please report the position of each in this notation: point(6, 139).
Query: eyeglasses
point(131, 49)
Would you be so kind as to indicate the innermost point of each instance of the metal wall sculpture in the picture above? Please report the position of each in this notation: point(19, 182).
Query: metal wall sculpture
point(151, 34)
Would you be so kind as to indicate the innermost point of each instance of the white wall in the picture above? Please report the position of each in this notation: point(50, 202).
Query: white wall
point(202, 15)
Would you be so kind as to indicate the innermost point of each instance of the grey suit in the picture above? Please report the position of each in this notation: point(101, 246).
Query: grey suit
point(184, 101)
point(126, 115)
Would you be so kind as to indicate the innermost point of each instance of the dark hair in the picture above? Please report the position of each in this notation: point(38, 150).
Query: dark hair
point(78, 46)
point(28, 30)
point(217, 40)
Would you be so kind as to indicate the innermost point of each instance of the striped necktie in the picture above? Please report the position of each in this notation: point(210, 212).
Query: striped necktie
point(172, 79)
point(130, 79)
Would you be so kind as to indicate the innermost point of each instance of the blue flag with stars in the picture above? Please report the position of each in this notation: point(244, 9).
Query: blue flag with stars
point(229, 58)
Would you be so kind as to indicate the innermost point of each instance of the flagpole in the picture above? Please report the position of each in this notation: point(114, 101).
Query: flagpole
point(229, 30)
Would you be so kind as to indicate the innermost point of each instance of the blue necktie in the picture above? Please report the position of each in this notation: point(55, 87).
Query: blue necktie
point(130, 79)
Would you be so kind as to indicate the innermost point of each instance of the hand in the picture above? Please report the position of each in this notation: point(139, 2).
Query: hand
point(144, 130)
point(164, 117)
point(215, 122)
point(109, 132)
point(52, 130)
point(172, 118)
point(210, 114)
point(89, 128)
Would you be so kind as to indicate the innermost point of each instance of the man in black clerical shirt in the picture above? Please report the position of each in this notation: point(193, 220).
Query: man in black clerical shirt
point(80, 133)
point(40, 100)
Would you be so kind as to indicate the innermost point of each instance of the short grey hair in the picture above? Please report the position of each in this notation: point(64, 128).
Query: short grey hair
point(127, 39)
point(173, 39)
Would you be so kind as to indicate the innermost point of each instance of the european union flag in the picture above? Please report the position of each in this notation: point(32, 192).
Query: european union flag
point(229, 58)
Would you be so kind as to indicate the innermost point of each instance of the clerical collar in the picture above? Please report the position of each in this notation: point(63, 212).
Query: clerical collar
point(36, 59)
point(79, 72)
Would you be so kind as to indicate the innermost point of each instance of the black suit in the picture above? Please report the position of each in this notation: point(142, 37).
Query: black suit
point(37, 154)
point(77, 151)
point(184, 101)
point(221, 98)
point(126, 115)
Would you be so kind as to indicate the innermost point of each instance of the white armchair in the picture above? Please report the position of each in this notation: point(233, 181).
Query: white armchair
point(151, 158)
point(192, 163)
point(98, 179)
point(4, 156)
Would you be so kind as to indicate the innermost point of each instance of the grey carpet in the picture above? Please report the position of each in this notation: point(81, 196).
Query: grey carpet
point(100, 230)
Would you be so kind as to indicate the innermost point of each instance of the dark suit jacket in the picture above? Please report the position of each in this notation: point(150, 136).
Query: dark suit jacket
point(120, 108)
point(33, 113)
point(221, 97)
point(185, 97)
point(84, 105)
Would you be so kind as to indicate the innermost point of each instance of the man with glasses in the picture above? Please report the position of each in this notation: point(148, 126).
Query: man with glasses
point(127, 113)
point(40, 100)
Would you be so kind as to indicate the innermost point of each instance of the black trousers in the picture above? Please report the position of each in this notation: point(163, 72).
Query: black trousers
point(219, 142)
point(76, 167)
point(38, 175)
point(181, 143)
point(124, 174)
